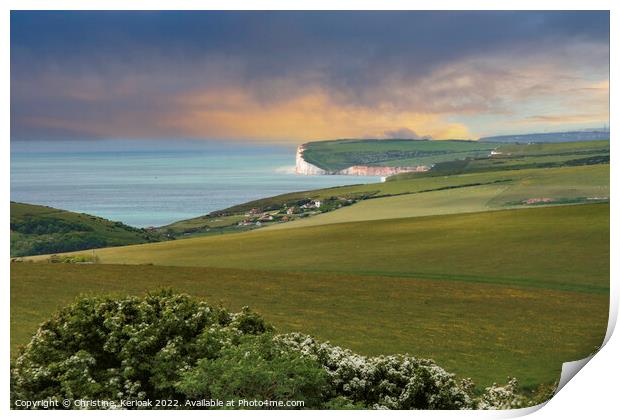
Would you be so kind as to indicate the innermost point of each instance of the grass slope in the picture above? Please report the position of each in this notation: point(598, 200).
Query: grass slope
point(487, 332)
point(560, 247)
point(458, 200)
point(40, 229)
point(500, 190)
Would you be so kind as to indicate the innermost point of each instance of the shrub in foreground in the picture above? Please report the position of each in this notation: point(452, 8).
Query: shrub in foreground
point(257, 369)
point(168, 346)
point(387, 382)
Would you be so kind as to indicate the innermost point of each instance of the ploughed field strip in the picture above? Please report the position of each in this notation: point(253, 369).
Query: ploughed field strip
point(484, 331)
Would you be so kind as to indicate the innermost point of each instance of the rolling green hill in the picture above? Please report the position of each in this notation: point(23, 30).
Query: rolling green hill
point(560, 247)
point(473, 193)
point(44, 230)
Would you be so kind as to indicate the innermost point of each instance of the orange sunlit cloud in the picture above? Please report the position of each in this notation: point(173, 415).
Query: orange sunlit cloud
point(234, 114)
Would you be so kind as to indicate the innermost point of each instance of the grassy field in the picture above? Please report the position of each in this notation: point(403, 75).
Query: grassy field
point(559, 247)
point(500, 190)
point(559, 183)
point(340, 154)
point(458, 200)
point(484, 331)
point(41, 229)
point(533, 149)
point(202, 223)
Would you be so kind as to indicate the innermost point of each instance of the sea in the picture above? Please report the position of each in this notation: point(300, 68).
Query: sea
point(146, 184)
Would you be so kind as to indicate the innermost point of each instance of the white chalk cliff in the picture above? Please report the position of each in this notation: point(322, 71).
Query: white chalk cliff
point(304, 168)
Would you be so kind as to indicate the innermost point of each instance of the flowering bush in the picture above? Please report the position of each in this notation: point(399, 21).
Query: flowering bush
point(388, 382)
point(498, 397)
point(169, 346)
point(124, 349)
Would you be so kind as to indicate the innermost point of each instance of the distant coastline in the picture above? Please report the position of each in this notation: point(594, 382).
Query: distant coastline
point(302, 167)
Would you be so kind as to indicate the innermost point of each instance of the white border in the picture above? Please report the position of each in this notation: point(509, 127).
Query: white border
point(592, 393)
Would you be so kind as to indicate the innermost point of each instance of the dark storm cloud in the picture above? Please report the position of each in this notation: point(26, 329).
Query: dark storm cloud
point(279, 42)
point(74, 67)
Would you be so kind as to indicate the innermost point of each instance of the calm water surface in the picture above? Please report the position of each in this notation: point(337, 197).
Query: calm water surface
point(154, 188)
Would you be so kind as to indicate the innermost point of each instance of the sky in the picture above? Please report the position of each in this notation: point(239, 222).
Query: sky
point(287, 77)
